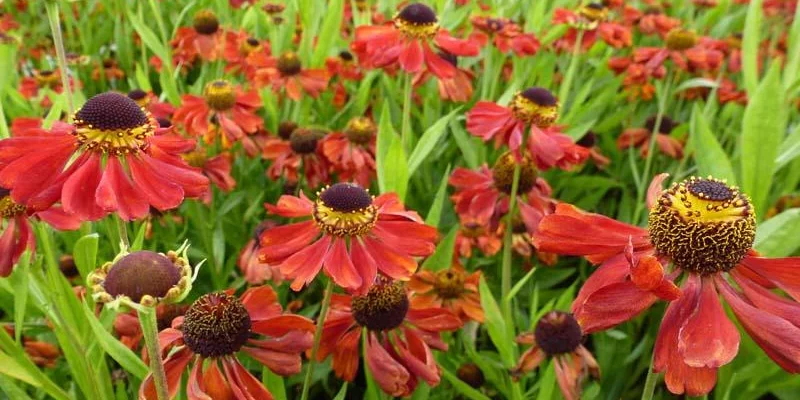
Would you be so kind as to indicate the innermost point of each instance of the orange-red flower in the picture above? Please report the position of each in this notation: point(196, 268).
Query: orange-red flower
point(406, 41)
point(232, 109)
point(399, 337)
point(378, 232)
point(297, 151)
point(457, 88)
point(591, 19)
point(650, 22)
point(589, 141)
point(505, 34)
point(204, 39)
point(452, 288)
point(129, 329)
point(244, 54)
point(473, 233)
point(351, 153)
point(149, 101)
point(31, 87)
point(704, 229)
point(684, 50)
point(536, 107)
point(218, 326)
point(111, 159)
point(482, 196)
point(256, 272)
point(217, 169)
point(287, 73)
point(640, 137)
point(559, 336)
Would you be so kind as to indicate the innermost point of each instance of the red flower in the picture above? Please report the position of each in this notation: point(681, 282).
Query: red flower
point(233, 110)
point(452, 288)
point(476, 234)
point(684, 50)
point(457, 88)
point(352, 153)
point(650, 22)
point(589, 141)
point(256, 272)
point(129, 329)
point(705, 229)
point(506, 35)
point(300, 149)
point(203, 39)
point(32, 86)
point(217, 169)
point(214, 329)
point(286, 72)
point(379, 233)
point(640, 137)
point(344, 66)
point(407, 42)
point(149, 101)
point(559, 336)
point(65, 164)
point(399, 337)
point(591, 19)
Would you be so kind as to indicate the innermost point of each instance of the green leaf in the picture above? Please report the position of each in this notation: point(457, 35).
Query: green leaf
point(428, 141)
point(547, 383)
point(695, 83)
point(12, 390)
point(396, 169)
point(750, 41)
point(443, 256)
point(709, 155)
point(148, 37)
point(777, 236)
point(10, 367)
point(763, 127)
point(142, 80)
point(465, 144)
point(792, 68)
point(434, 215)
point(138, 241)
point(789, 150)
point(330, 31)
point(20, 358)
point(495, 324)
point(121, 354)
point(342, 392)
point(85, 254)
point(19, 279)
point(385, 136)
point(274, 383)
point(462, 387)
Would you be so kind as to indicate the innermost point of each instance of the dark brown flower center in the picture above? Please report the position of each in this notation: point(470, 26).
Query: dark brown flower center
point(345, 56)
point(220, 95)
point(665, 127)
point(449, 283)
point(417, 21)
point(702, 225)
point(471, 374)
point(346, 197)
point(137, 94)
point(289, 64)
point(205, 22)
point(536, 106)
point(558, 333)
point(503, 173)
point(142, 273)
point(216, 325)
point(588, 140)
point(111, 111)
point(304, 140)
point(360, 130)
point(383, 308)
point(285, 129)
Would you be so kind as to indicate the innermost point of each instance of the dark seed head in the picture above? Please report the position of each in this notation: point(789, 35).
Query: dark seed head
point(205, 22)
point(252, 41)
point(216, 325)
point(346, 55)
point(220, 95)
point(111, 111)
point(540, 96)
point(451, 58)
point(449, 283)
point(360, 130)
point(383, 308)
point(471, 374)
point(164, 122)
point(285, 129)
point(710, 190)
point(142, 273)
point(346, 197)
point(503, 173)
point(665, 127)
point(289, 64)
point(304, 140)
point(67, 266)
point(137, 94)
point(588, 140)
point(417, 14)
point(558, 333)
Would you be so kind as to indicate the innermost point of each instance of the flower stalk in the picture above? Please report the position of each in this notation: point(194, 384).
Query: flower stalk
point(149, 324)
point(58, 41)
point(507, 239)
point(326, 302)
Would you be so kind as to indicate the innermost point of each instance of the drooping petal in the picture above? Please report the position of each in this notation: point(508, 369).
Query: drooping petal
point(390, 375)
point(78, 194)
point(411, 57)
point(261, 302)
point(304, 266)
point(783, 272)
point(708, 338)
point(365, 264)
point(173, 367)
point(340, 268)
point(115, 193)
point(612, 305)
point(243, 384)
point(397, 266)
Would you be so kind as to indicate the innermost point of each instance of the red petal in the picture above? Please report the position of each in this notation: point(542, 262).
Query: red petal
point(708, 338)
point(281, 325)
point(174, 367)
point(437, 65)
point(768, 301)
point(612, 305)
point(78, 194)
point(261, 302)
point(280, 242)
point(365, 264)
point(160, 193)
point(116, 193)
point(244, 385)
point(304, 266)
point(397, 266)
point(391, 376)
point(340, 268)
point(783, 272)
point(283, 364)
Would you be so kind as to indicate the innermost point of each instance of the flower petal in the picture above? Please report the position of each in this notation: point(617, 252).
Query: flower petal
point(708, 338)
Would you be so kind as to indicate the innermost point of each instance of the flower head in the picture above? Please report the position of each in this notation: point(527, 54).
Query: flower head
point(451, 288)
point(701, 228)
point(559, 336)
point(83, 165)
point(352, 152)
point(296, 151)
point(142, 278)
point(215, 329)
point(286, 72)
point(400, 336)
point(203, 39)
point(345, 216)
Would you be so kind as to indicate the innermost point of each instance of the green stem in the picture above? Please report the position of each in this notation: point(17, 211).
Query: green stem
point(650, 383)
point(563, 91)
point(326, 302)
point(406, 127)
point(58, 40)
point(147, 319)
point(506, 266)
point(122, 228)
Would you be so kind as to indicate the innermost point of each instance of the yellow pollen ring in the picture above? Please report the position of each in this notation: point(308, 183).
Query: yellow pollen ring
point(10, 209)
point(338, 223)
point(414, 30)
point(526, 110)
point(115, 141)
